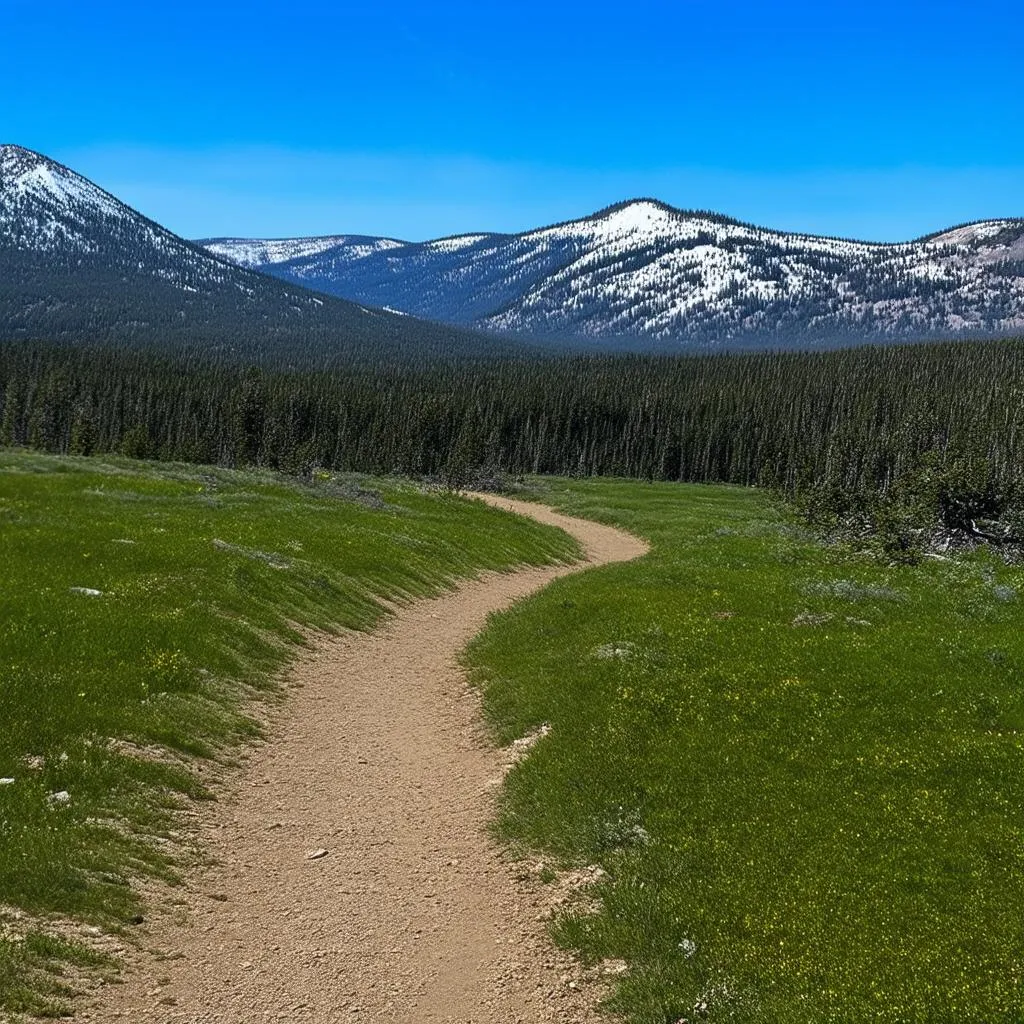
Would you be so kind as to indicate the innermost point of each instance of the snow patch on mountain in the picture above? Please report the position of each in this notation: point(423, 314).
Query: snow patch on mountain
point(254, 253)
point(455, 243)
point(969, 233)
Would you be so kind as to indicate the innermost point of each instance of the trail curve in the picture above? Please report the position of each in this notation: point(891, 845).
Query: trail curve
point(412, 914)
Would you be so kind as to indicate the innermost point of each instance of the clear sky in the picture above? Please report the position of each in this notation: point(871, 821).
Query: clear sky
point(878, 120)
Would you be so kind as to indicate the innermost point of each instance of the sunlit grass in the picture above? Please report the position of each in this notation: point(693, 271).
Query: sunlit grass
point(140, 607)
point(802, 769)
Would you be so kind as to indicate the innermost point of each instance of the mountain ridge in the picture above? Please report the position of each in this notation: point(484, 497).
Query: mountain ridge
point(629, 271)
point(683, 212)
point(638, 274)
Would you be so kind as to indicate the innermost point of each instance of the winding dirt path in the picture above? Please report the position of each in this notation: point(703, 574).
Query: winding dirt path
point(413, 914)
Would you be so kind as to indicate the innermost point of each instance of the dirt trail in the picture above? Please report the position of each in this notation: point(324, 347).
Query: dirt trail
point(413, 914)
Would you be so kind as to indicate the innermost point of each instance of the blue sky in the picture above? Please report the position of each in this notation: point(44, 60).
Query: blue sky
point(870, 119)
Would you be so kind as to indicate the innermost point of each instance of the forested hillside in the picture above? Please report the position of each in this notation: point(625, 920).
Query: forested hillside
point(78, 266)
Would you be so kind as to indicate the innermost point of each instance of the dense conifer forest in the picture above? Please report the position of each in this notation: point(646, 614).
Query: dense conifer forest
point(940, 424)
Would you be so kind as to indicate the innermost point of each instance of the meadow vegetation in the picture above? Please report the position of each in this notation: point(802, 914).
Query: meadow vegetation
point(143, 609)
point(799, 765)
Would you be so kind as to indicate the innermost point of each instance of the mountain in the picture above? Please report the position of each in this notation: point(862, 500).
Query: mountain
point(661, 277)
point(78, 265)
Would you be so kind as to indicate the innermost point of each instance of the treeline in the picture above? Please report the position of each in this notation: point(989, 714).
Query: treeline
point(843, 422)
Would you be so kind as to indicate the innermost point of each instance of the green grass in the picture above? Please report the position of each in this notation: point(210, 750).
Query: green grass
point(801, 768)
point(34, 972)
point(205, 578)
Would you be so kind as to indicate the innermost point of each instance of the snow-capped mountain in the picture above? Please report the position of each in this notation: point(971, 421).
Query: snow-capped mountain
point(48, 209)
point(77, 264)
point(645, 271)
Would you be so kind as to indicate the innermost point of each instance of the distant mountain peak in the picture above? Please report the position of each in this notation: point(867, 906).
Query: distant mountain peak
point(16, 160)
point(641, 206)
point(61, 202)
point(23, 168)
point(649, 208)
point(637, 214)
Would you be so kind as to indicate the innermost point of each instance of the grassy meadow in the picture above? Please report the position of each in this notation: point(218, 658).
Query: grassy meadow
point(800, 767)
point(142, 608)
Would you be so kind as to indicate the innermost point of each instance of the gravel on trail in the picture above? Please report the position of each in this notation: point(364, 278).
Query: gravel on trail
point(351, 874)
